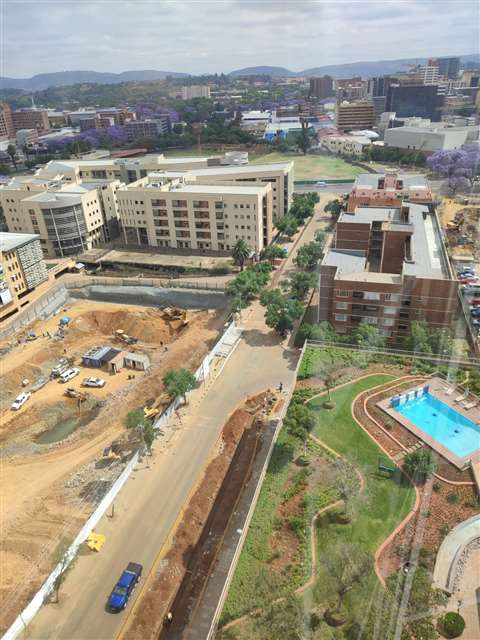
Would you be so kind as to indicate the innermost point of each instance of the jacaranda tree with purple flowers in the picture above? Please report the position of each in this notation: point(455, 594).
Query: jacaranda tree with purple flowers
point(459, 167)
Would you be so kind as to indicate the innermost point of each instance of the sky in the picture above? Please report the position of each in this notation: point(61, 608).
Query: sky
point(207, 36)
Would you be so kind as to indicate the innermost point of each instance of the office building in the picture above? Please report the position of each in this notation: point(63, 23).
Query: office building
point(427, 139)
point(355, 115)
point(387, 268)
point(22, 269)
point(388, 190)
point(346, 145)
point(56, 118)
point(69, 218)
point(160, 212)
point(148, 128)
point(449, 67)
point(414, 100)
point(26, 137)
point(7, 130)
point(31, 119)
point(195, 91)
point(321, 87)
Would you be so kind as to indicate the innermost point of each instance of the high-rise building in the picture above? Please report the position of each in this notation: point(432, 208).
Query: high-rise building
point(448, 67)
point(7, 130)
point(31, 119)
point(195, 91)
point(414, 100)
point(321, 87)
point(355, 115)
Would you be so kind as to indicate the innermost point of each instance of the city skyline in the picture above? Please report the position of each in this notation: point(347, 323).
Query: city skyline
point(163, 34)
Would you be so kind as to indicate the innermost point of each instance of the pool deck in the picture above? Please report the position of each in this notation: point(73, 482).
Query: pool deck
point(439, 389)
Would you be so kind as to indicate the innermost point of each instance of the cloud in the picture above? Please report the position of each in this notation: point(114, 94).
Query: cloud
point(203, 36)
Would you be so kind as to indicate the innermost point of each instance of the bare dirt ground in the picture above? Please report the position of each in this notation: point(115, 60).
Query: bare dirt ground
point(48, 491)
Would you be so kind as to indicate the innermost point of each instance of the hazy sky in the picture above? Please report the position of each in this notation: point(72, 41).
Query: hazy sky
point(221, 35)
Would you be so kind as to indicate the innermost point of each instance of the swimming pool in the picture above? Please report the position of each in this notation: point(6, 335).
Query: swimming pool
point(441, 422)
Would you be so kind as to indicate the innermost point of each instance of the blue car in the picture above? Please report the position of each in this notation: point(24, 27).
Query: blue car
point(123, 589)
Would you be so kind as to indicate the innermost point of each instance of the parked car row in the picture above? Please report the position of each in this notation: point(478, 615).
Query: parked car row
point(471, 295)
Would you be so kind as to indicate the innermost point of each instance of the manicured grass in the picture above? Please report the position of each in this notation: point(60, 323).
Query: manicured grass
point(312, 167)
point(388, 500)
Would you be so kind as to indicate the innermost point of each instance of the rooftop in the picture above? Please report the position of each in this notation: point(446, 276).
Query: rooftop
point(9, 241)
point(249, 168)
point(409, 180)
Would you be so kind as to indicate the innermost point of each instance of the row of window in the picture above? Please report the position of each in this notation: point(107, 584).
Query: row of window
point(367, 295)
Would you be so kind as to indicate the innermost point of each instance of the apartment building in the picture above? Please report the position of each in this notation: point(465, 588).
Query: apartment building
point(31, 119)
point(22, 269)
point(26, 137)
point(388, 190)
point(7, 130)
point(321, 87)
point(355, 115)
point(160, 212)
point(387, 268)
point(69, 218)
point(195, 91)
point(348, 145)
point(148, 128)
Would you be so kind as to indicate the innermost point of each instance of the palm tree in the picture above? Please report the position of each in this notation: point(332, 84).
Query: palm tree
point(241, 251)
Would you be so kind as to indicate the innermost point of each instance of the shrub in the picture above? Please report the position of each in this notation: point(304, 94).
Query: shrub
point(221, 269)
point(452, 624)
point(420, 464)
point(437, 487)
point(453, 498)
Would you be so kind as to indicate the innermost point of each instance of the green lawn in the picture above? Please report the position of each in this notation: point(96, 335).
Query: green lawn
point(388, 501)
point(312, 167)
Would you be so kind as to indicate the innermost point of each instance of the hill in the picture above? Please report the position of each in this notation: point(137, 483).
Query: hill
point(65, 78)
point(274, 72)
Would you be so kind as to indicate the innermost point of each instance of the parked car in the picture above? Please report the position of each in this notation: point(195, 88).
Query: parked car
point(123, 589)
point(475, 313)
point(20, 400)
point(60, 368)
point(321, 184)
point(69, 374)
point(93, 382)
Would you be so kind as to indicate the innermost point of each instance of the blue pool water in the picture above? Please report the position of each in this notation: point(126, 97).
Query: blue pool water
point(444, 424)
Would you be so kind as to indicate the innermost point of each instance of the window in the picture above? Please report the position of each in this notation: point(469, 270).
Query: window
point(341, 305)
point(358, 295)
point(372, 295)
point(388, 322)
point(341, 317)
point(159, 203)
point(392, 297)
point(389, 311)
point(370, 320)
point(340, 293)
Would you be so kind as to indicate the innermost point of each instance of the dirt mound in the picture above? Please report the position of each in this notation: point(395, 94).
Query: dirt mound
point(147, 326)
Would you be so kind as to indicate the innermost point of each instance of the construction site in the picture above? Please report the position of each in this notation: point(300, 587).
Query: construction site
point(63, 448)
point(461, 220)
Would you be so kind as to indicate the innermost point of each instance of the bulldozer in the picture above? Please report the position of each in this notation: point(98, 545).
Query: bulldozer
point(75, 393)
point(124, 337)
point(150, 412)
point(109, 455)
point(174, 313)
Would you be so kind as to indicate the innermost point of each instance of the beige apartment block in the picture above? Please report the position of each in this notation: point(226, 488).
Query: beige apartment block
point(158, 212)
point(69, 218)
point(22, 270)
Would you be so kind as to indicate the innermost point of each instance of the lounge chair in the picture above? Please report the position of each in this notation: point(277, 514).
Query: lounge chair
point(461, 398)
point(470, 405)
point(449, 390)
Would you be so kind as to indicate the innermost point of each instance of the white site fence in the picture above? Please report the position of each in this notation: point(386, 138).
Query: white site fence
point(224, 346)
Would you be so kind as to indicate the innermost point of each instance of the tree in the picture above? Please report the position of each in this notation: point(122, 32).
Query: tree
point(248, 284)
point(345, 481)
point(135, 418)
point(241, 252)
point(273, 252)
point(178, 382)
point(299, 284)
point(322, 331)
point(148, 433)
point(281, 312)
point(368, 336)
point(64, 560)
point(287, 225)
point(308, 255)
point(452, 624)
point(431, 341)
point(459, 167)
point(299, 420)
point(420, 464)
point(11, 152)
point(305, 136)
point(334, 207)
point(281, 618)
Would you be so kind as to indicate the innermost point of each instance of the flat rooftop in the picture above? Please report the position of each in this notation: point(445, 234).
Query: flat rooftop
point(245, 168)
point(9, 241)
point(409, 180)
point(345, 260)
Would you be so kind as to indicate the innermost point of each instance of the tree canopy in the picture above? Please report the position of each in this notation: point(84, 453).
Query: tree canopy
point(241, 252)
point(178, 382)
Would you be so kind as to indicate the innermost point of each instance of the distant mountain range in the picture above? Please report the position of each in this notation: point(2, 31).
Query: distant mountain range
point(363, 69)
point(63, 78)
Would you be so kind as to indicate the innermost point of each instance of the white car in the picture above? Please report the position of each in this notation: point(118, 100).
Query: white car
point(20, 400)
point(321, 184)
point(93, 382)
point(69, 374)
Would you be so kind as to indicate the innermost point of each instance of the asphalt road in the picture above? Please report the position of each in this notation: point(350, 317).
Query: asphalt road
point(152, 499)
point(341, 187)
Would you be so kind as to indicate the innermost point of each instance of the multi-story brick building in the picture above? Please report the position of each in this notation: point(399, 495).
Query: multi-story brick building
point(355, 115)
point(31, 119)
point(160, 212)
point(7, 130)
point(22, 269)
point(388, 190)
point(388, 267)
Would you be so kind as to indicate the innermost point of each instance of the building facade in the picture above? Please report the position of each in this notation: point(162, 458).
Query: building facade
point(7, 130)
point(388, 268)
point(354, 115)
point(158, 212)
point(22, 269)
point(428, 139)
point(31, 119)
point(26, 137)
point(321, 87)
point(148, 128)
point(348, 145)
point(388, 190)
point(418, 100)
point(195, 91)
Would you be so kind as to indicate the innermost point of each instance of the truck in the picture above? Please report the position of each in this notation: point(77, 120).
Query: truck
point(122, 591)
